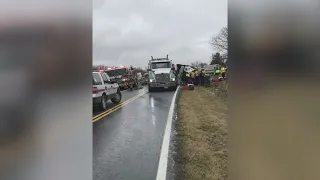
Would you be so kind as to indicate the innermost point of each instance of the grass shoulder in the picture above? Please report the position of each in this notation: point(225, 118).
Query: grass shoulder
point(202, 135)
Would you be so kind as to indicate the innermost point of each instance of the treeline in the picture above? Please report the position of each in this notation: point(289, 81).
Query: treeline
point(219, 44)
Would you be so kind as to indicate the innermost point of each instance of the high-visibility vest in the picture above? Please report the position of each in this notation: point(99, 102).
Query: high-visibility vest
point(217, 71)
point(223, 69)
point(192, 74)
point(197, 73)
point(187, 74)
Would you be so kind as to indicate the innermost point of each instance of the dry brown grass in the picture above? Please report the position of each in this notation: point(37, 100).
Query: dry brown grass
point(202, 136)
point(221, 91)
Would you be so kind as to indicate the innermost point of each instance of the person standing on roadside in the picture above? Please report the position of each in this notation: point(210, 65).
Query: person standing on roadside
point(196, 77)
point(193, 76)
point(183, 77)
point(201, 76)
point(187, 77)
point(217, 73)
point(206, 79)
point(223, 72)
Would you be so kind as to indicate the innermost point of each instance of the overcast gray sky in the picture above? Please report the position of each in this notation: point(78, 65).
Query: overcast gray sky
point(128, 32)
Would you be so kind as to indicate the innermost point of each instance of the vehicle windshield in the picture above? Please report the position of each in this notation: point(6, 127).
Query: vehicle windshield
point(160, 65)
point(116, 72)
point(96, 79)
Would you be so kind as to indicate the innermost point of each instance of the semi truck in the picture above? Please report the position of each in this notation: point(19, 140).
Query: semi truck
point(161, 74)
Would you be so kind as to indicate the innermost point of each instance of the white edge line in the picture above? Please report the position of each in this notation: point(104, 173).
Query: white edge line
point(163, 161)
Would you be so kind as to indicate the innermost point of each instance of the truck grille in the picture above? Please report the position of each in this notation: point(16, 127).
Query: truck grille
point(162, 78)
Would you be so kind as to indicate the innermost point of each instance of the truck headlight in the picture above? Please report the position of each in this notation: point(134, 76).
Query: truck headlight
point(151, 80)
point(173, 79)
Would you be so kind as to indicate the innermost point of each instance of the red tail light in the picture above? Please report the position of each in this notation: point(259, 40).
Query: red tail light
point(94, 90)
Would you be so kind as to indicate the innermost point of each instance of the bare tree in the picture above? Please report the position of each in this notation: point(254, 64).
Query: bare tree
point(220, 41)
point(203, 65)
point(199, 64)
point(196, 63)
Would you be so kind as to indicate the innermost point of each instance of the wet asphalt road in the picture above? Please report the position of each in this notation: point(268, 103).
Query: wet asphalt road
point(127, 142)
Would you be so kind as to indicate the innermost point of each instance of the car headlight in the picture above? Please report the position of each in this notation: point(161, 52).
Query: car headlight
point(173, 79)
point(152, 80)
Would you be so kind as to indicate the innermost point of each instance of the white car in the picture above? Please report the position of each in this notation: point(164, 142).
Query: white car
point(103, 89)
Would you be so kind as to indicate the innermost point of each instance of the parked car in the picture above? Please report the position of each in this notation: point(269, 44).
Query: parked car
point(103, 89)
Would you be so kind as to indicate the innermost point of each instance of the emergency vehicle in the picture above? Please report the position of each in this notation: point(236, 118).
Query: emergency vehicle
point(104, 89)
point(119, 74)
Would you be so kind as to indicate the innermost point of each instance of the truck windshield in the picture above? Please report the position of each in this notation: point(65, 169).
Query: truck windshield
point(160, 65)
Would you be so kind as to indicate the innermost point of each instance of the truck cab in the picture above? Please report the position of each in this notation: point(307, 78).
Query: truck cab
point(161, 74)
point(118, 74)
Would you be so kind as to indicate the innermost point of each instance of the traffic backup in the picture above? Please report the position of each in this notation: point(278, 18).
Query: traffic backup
point(161, 74)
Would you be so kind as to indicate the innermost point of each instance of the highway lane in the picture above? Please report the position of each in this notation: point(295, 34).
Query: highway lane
point(126, 95)
point(127, 142)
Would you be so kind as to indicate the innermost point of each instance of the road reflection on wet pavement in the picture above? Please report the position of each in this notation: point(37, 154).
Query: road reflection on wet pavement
point(127, 142)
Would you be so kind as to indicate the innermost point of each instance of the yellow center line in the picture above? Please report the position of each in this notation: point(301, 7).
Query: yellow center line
point(115, 106)
point(106, 114)
point(101, 115)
